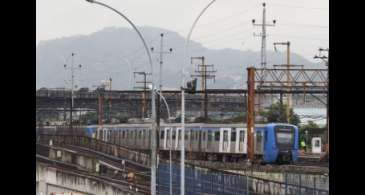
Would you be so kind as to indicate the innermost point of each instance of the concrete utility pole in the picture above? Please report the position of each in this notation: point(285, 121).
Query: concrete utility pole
point(288, 66)
point(204, 74)
point(325, 59)
point(72, 68)
point(153, 126)
point(263, 36)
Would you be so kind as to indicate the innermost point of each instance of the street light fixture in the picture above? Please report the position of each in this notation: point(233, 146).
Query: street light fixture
point(153, 128)
point(182, 179)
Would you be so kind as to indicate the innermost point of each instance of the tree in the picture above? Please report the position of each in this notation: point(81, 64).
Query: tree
point(277, 113)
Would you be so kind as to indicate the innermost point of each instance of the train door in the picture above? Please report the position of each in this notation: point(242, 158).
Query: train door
point(258, 142)
point(239, 140)
point(209, 140)
point(204, 140)
point(105, 131)
point(173, 134)
point(225, 140)
point(145, 139)
point(164, 142)
point(167, 141)
point(178, 138)
point(233, 140)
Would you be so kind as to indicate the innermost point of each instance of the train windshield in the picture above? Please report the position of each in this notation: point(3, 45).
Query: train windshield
point(284, 135)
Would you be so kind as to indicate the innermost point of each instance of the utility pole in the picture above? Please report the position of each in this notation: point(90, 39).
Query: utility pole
point(288, 66)
point(325, 59)
point(204, 74)
point(158, 115)
point(110, 101)
point(250, 112)
point(144, 87)
point(263, 36)
point(72, 68)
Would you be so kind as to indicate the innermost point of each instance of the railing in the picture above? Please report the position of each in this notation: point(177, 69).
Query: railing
point(96, 145)
point(208, 181)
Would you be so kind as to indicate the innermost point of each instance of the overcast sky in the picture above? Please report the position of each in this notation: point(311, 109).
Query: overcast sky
point(226, 24)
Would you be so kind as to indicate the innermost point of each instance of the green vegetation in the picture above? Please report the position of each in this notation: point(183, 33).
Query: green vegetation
point(277, 113)
point(313, 131)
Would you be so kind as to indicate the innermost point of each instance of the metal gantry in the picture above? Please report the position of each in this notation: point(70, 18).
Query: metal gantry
point(266, 79)
point(205, 72)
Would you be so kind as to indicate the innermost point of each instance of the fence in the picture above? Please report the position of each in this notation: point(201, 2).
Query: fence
point(208, 181)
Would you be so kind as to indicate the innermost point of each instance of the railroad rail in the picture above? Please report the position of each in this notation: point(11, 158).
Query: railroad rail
point(92, 144)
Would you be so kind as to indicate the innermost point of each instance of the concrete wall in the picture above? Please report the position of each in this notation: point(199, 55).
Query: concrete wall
point(51, 180)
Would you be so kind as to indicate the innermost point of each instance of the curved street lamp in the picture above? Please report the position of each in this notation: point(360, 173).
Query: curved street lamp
point(153, 129)
point(182, 179)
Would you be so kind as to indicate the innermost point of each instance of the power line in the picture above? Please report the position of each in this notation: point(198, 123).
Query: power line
point(304, 25)
point(230, 16)
point(299, 7)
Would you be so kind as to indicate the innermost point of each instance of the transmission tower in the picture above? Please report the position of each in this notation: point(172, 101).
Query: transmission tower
point(72, 69)
point(205, 72)
point(263, 36)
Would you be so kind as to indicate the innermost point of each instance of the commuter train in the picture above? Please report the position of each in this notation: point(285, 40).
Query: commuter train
point(273, 142)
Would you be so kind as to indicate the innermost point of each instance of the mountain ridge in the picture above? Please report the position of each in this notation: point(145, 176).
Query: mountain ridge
point(106, 53)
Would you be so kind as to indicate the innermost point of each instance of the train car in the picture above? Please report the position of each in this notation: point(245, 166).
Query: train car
point(281, 143)
point(273, 142)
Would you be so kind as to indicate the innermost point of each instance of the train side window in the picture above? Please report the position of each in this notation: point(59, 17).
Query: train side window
point(186, 135)
point(140, 134)
point(162, 134)
point(179, 136)
point(233, 136)
point(225, 136)
point(242, 137)
point(168, 134)
point(173, 134)
point(216, 136)
point(123, 134)
point(192, 135)
point(203, 135)
point(210, 135)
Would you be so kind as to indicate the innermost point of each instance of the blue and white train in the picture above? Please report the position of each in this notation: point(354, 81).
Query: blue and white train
point(273, 142)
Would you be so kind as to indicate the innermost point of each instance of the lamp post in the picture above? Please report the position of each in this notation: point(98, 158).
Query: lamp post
point(170, 155)
point(182, 179)
point(72, 68)
point(153, 129)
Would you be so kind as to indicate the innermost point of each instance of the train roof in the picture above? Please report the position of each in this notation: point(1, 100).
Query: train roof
point(203, 125)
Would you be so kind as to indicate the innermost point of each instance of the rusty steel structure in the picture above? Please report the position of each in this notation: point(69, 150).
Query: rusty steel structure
point(301, 80)
point(250, 111)
point(144, 87)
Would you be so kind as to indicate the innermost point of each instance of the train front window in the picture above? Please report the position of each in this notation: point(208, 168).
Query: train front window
point(284, 135)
